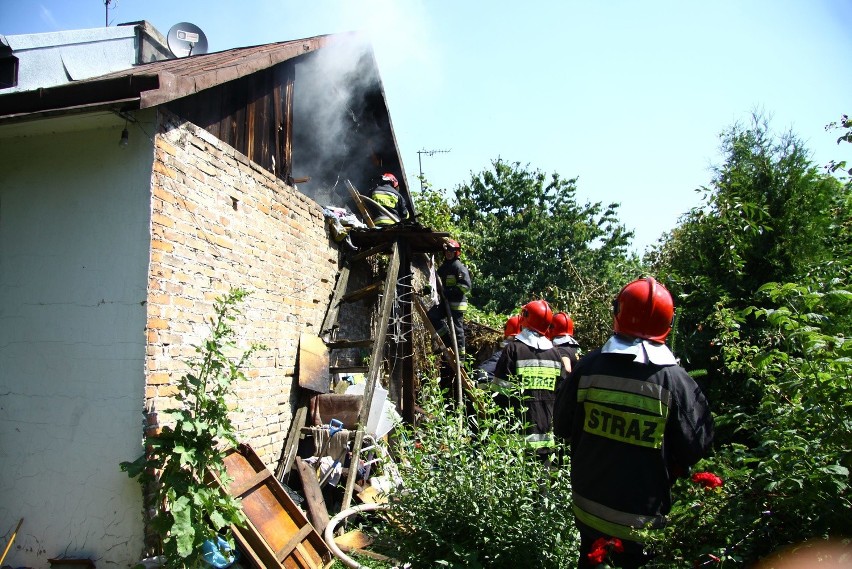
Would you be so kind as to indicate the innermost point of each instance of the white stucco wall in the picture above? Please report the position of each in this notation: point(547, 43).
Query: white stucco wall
point(74, 253)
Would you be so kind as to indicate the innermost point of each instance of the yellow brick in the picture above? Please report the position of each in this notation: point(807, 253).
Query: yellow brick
point(167, 391)
point(165, 170)
point(158, 378)
point(162, 245)
point(158, 324)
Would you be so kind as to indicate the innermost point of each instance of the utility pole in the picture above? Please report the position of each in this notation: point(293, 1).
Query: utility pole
point(420, 154)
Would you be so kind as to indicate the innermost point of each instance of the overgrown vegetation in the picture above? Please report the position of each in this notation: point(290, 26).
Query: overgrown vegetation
point(760, 273)
point(474, 496)
point(174, 471)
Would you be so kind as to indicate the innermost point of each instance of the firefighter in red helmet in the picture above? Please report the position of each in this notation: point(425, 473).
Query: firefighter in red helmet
point(561, 333)
point(454, 284)
point(484, 372)
point(635, 421)
point(394, 208)
point(531, 363)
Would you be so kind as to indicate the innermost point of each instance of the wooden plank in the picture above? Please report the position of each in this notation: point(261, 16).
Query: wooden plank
point(277, 531)
point(331, 315)
point(313, 364)
point(287, 168)
point(291, 446)
point(249, 483)
point(315, 501)
point(369, 290)
point(359, 203)
point(353, 539)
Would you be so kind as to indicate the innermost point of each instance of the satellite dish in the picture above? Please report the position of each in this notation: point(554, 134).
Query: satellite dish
point(186, 39)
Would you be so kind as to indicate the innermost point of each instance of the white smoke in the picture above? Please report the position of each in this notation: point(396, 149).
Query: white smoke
point(333, 141)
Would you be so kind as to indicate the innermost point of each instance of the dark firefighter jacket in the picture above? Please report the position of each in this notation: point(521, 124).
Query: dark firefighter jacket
point(455, 280)
point(537, 372)
point(393, 201)
point(568, 353)
point(632, 426)
point(484, 372)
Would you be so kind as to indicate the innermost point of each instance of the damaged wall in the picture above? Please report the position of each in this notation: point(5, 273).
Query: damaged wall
point(220, 221)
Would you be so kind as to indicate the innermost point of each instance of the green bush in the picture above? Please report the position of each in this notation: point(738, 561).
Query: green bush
point(474, 496)
point(786, 466)
point(189, 509)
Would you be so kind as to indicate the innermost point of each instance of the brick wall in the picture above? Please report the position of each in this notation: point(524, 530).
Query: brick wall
point(221, 221)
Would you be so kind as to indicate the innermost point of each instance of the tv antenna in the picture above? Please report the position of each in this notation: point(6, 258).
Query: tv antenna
point(420, 154)
point(186, 39)
point(106, 10)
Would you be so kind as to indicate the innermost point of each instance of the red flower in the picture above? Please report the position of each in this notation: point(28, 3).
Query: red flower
point(707, 479)
point(602, 547)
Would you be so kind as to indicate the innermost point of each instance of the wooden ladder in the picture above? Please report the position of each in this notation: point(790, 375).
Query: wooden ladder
point(386, 291)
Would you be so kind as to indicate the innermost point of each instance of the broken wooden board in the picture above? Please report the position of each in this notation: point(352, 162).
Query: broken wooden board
point(277, 533)
point(313, 364)
point(359, 203)
point(371, 495)
point(316, 506)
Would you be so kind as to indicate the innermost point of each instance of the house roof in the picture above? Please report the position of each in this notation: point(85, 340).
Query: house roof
point(155, 83)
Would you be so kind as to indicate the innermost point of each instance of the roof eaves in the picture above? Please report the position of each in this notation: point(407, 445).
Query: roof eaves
point(77, 94)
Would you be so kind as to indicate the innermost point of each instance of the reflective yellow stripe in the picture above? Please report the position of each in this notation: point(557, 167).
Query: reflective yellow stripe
point(639, 402)
point(613, 522)
point(628, 386)
point(385, 199)
point(540, 440)
point(631, 428)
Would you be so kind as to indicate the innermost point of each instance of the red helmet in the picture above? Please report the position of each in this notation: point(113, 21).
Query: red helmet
point(562, 325)
point(512, 327)
point(536, 315)
point(390, 178)
point(644, 309)
point(453, 245)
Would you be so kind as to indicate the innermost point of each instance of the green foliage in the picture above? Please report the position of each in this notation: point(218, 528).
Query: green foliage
point(845, 126)
point(433, 210)
point(525, 236)
point(769, 215)
point(523, 230)
point(791, 481)
point(190, 508)
point(474, 496)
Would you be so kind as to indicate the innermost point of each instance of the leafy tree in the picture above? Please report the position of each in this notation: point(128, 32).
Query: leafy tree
point(523, 230)
point(761, 273)
point(769, 215)
point(524, 235)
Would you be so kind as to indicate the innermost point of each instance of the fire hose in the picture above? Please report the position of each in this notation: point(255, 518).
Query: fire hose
point(332, 525)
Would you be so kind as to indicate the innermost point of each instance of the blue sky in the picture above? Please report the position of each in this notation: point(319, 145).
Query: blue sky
point(628, 96)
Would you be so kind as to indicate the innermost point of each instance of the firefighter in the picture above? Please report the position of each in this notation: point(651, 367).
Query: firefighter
point(454, 284)
point(530, 362)
point(485, 371)
point(394, 207)
point(635, 421)
point(561, 333)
